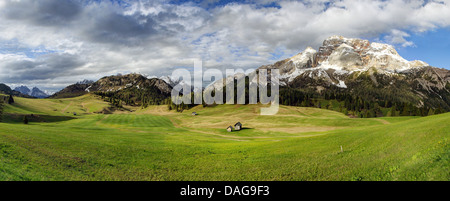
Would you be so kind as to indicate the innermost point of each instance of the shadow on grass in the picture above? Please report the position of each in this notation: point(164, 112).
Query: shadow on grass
point(18, 118)
point(245, 130)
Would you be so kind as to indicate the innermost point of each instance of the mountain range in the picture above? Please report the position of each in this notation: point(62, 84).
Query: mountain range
point(132, 89)
point(35, 92)
point(372, 72)
point(5, 89)
point(355, 70)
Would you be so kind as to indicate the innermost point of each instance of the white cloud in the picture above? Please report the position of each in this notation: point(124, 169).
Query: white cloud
point(398, 37)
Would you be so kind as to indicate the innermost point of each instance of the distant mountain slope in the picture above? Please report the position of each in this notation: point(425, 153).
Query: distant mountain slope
point(131, 89)
point(71, 91)
point(119, 82)
point(23, 89)
point(35, 92)
point(5, 89)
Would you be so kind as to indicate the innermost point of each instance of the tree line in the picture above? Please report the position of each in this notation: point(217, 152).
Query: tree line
point(134, 97)
point(352, 104)
point(5, 99)
point(1, 109)
point(340, 101)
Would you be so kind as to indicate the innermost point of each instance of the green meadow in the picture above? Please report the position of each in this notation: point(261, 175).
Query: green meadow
point(299, 144)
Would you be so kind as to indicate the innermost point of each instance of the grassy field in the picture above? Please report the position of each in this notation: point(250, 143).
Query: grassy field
point(157, 144)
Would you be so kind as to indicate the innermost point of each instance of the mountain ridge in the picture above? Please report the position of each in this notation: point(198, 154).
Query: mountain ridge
point(132, 89)
point(345, 55)
point(34, 92)
point(5, 89)
point(346, 63)
point(348, 67)
point(363, 70)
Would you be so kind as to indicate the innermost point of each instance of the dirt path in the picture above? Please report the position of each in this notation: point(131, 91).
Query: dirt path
point(84, 107)
point(67, 107)
point(382, 121)
point(100, 121)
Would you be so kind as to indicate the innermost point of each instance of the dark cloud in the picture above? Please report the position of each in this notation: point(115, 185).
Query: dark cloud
point(119, 29)
point(43, 12)
point(43, 68)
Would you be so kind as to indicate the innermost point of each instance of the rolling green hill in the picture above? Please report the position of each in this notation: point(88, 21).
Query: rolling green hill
point(157, 144)
point(83, 105)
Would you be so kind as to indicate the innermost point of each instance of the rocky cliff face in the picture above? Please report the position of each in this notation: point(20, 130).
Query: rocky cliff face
point(120, 82)
point(345, 56)
point(116, 83)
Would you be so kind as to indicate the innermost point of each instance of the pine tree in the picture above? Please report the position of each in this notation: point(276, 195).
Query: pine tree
point(417, 112)
point(1, 110)
point(25, 119)
point(430, 112)
point(371, 113)
point(10, 100)
point(389, 113)
point(394, 110)
point(405, 111)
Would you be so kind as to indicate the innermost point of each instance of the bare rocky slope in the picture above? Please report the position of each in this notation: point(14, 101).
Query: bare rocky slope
point(131, 88)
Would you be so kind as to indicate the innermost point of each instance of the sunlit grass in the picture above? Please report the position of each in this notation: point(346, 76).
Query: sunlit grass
point(156, 144)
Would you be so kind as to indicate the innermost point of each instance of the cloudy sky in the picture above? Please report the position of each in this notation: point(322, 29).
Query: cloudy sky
point(54, 43)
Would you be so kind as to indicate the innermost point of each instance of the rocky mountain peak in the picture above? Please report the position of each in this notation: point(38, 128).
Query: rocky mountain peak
point(307, 54)
point(23, 89)
point(345, 55)
point(129, 83)
point(34, 92)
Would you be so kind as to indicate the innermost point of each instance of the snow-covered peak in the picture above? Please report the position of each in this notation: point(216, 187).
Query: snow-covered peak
point(338, 40)
point(343, 56)
point(335, 37)
point(307, 54)
point(166, 79)
point(383, 49)
point(310, 50)
point(85, 81)
point(358, 54)
point(170, 80)
point(418, 63)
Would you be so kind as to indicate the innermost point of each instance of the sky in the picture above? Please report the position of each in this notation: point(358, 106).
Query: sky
point(54, 43)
